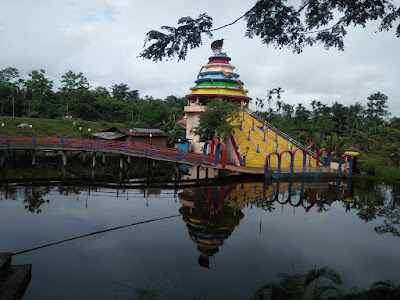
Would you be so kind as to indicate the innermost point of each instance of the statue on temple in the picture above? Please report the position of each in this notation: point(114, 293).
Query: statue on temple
point(216, 46)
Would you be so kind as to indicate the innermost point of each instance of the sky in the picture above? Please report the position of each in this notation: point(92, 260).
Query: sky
point(103, 38)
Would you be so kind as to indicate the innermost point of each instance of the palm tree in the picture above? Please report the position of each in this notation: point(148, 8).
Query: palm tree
point(364, 139)
point(298, 286)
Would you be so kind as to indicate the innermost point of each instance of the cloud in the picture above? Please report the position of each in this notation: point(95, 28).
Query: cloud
point(103, 38)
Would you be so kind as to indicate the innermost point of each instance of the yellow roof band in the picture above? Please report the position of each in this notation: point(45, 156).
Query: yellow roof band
point(222, 91)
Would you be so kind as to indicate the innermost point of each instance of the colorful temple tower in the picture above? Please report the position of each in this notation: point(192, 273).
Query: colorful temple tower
point(255, 142)
point(216, 79)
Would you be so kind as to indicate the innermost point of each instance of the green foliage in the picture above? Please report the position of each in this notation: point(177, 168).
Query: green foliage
point(279, 25)
point(216, 120)
point(72, 81)
point(120, 91)
point(298, 286)
point(146, 294)
point(78, 123)
point(177, 40)
point(35, 98)
point(376, 111)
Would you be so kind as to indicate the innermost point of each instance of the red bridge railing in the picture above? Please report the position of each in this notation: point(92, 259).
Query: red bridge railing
point(143, 150)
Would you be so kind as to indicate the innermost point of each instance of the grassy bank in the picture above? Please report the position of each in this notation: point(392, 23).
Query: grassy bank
point(51, 127)
point(386, 172)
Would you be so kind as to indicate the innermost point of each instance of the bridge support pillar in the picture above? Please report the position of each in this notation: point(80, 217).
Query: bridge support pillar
point(64, 158)
point(121, 162)
point(84, 157)
point(33, 174)
point(1, 158)
point(120, 176)
point(128, 159)
point(177, 174)
point(33, 157)
point(63, 172)
point(103, 159)
point(206, 173)
point(94, 160)
point(148, 172)
point(198, 173)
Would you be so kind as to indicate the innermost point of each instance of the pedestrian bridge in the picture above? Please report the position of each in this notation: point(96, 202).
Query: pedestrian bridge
point(105, 146)
point(132, 149)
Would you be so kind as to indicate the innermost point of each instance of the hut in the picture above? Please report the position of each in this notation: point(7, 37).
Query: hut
point(151, 136)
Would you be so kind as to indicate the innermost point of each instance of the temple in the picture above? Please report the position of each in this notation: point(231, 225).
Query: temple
point(255, 142)
point(215, 80)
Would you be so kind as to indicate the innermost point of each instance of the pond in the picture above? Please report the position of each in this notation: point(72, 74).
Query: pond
point(90, 241)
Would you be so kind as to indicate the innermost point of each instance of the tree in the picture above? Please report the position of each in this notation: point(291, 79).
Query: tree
point(278, 25)
point(298, 286)
point(376, 110)
point(259, 103)
point(85, 105)
point(101, 92)
point(271, 93)
point(302, 115)
point(395, 155)
point(70, 82)
point(120, 91)
point(216, 120)
point(9, 85)
point(40, 92)
point(8, 74)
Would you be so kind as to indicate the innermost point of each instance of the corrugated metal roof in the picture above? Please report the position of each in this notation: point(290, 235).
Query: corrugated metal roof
point(148, 130)
point(138, 131)
point(109, 135)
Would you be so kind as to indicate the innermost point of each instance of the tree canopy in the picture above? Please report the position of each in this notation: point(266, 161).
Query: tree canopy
point(278, 24)
point(216, 120)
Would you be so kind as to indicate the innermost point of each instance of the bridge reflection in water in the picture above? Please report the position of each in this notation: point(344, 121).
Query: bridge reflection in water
point(212, 213)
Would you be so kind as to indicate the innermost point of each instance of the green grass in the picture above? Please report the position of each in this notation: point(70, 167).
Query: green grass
point(51, 127)
point(386, 172)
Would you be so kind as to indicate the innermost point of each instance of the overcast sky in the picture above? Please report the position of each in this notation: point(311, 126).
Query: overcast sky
point(102, 39)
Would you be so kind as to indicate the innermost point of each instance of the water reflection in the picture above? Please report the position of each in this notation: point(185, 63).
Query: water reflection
point(95, 221)
point(34, 199)
point(206, 208)
point(210, 218)
point(212, 213)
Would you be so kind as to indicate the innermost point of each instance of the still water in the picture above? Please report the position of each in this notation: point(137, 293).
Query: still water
point(213, 242)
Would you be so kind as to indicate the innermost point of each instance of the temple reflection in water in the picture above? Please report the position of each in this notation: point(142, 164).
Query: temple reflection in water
point(212, 213)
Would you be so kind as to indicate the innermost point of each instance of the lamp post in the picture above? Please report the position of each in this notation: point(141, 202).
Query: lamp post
point(130, 135)
point(30, 127)
point(89, 130)
point(2, 129)
point(80, 132)
point(150, 138)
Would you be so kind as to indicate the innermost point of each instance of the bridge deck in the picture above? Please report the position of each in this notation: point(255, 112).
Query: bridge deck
point(156, 153)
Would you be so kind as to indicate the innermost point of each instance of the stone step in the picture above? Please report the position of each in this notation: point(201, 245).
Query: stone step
point(14, 282)
point(5, 261)
point(13, 279)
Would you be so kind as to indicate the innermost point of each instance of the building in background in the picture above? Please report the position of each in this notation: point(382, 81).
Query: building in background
point(154, 137)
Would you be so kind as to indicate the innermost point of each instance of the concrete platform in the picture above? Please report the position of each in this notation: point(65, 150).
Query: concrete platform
point(13, 279)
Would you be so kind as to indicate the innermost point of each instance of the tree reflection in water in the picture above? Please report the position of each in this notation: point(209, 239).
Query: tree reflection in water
point(212, 213)
point(375, 200)
point(34, 199)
